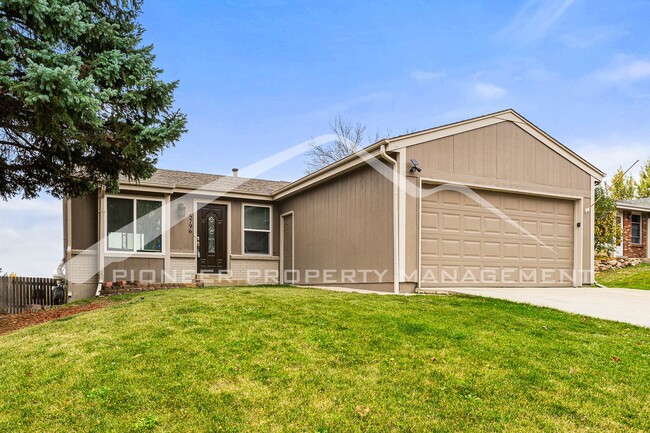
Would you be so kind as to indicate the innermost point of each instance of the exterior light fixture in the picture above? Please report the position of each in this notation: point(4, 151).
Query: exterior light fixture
point(180, 211)
point(414, 166)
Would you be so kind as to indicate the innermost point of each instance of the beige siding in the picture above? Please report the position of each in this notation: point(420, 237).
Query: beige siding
point(412, 218)
point(287, 245)
point(501, 157)
point(344, 224)
point(181, 234)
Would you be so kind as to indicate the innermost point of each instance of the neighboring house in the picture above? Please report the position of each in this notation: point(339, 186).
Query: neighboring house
point(634, 217)
point(377, 221)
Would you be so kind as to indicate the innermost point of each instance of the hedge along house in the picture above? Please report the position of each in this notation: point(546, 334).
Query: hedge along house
point(634, 218)
point(491, 201)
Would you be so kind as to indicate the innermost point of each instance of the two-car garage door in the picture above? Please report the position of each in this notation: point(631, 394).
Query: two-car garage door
point(495, 239)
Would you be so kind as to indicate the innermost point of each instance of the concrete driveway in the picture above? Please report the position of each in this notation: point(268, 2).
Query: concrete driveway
point(622, 305)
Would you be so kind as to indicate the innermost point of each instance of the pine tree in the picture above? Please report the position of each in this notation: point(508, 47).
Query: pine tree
point(81, 101)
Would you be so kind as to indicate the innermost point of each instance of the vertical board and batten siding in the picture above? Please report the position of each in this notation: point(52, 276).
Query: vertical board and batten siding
point(84, 222)
point(19, 293)
point(287, 255)
point(502, 157)
point(183, 230)
point(344, 224)
point(412, 225)
point(83, 242)
point(137, 268)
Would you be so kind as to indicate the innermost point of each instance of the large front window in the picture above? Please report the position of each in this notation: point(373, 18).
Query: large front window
point(636, 229)
point(257, 230)
point(134, 225)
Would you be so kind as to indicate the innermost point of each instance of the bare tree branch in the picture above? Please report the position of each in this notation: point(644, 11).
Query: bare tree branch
point(349, 139)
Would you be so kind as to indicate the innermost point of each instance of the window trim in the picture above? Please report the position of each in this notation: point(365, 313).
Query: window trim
point(244, 229)
point(640, 228)
point(135, 253)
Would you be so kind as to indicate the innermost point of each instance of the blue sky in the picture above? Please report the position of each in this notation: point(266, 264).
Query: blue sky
point(257, 77)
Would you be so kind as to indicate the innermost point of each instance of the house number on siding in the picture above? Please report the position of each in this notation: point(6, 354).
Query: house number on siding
point(190, 231)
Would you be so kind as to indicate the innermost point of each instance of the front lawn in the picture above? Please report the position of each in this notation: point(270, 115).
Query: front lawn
point(284, 359)
point(633, 277)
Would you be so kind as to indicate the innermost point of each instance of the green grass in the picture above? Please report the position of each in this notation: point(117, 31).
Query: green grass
point(284, 359)
point(633, 277)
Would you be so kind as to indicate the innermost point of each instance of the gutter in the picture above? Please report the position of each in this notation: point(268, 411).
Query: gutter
point(632, 208)
point(393, 162)
point(100, 237)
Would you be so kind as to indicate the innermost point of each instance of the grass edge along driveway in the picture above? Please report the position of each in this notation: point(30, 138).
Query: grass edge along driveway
point(289, 359)
point(632, 277)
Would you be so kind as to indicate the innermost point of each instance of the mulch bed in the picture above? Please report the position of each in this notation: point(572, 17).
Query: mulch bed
point(13, 322)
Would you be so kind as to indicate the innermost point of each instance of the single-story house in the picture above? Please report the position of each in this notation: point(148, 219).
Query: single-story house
point(491, 201)
point(634, 217)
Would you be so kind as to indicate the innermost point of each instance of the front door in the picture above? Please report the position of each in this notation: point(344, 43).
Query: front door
point(212, 245)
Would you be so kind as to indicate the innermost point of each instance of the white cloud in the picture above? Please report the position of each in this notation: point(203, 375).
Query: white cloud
point(535, 18)
point(489, 91)
point(419, 75)
point(31, 236)
point(626, 71)
point(610, 153)
point(41, 206)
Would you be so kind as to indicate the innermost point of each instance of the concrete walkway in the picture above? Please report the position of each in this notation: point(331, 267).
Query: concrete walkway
point(622, 305)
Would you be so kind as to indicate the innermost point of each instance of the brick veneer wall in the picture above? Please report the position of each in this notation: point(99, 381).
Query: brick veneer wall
point(630, 249)
point(82, 269)
point(255, 270)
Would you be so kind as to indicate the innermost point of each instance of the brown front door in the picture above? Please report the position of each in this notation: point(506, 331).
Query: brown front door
point(212, 239)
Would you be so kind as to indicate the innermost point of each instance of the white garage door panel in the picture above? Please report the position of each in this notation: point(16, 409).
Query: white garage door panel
point(466, 244)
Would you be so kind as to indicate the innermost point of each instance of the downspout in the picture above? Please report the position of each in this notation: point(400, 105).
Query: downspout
point(62, 270)
point(100, 238)
point(393, 162)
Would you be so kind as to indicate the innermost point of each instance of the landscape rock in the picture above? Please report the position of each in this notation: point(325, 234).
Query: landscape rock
point(607, 264)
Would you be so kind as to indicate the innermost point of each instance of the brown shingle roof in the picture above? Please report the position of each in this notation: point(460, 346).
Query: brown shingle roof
point(212, 182)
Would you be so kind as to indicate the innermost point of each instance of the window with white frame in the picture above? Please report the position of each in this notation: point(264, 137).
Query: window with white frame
point(133, 225)
point(636, 228)
point(257, 230)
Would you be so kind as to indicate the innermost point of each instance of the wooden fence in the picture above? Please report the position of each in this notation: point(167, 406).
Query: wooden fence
point(20, 293)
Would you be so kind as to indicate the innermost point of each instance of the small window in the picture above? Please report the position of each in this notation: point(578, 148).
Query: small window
point(257, 230)
point(133, 225)
point(149, 226)
point(636, 228)
point(120, 224)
